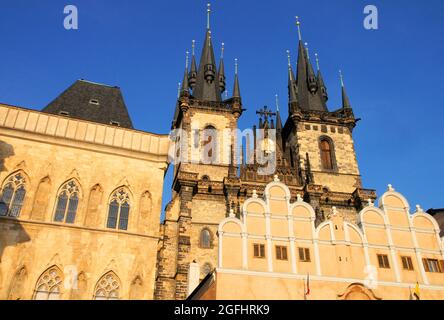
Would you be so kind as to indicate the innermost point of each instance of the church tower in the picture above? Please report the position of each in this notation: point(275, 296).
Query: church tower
point(322, 141)
point(205, 183)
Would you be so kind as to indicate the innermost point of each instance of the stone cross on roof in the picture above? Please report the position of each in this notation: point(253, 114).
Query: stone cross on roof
point(265, 112)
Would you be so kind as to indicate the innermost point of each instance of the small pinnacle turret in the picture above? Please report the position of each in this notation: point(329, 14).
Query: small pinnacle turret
point(221, 72)
point(292, 94)
point(185, 89)
point(345, 100)
point(320, 81)
point(236, 89)
point(192, 77)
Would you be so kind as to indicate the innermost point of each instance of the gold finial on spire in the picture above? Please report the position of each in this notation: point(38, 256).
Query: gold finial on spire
point(236, 66)
point(306, 49)
point(317, 61)
point(342, 78)
point(187, 60)
point(178, 90)
point(208, 15)
point(277, 103)
point(298, 23)
point(223, 50)
point(193, 46)
point(289, 58)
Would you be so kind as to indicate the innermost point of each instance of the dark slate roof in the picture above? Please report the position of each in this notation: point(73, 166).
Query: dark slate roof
point(204, 90)
point(80, 101)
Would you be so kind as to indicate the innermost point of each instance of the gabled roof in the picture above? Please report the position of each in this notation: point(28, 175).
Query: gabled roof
point(92, 102)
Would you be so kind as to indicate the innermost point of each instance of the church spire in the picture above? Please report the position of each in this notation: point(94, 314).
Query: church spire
point(321, 84)
point(208, 15)
point(291, 82)
point(207, 84)
point(345, 100)
point(185, 89)
point(311, 78)
point(308, 96)
point(236, 90)
point(193, 71)
point(278, 116)
point(221, 72)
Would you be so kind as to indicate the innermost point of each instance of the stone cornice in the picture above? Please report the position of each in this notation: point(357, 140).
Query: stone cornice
point(40, 126)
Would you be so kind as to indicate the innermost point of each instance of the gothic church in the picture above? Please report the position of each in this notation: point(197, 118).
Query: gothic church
point(74, 225)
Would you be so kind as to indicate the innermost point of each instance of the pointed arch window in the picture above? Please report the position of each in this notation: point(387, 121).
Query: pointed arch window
point(119, 209)
point(49, 285)
point(209, 145)
point(108, 288)
point(13, 196)
point(205, 239)
point(67, 203)
point(327, 154)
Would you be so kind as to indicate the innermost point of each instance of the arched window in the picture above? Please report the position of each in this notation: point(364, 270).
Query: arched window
point(108, 287)
point(67, 203)
point(205, 239)
point(209, 145)
point(327, 154)
point(49, 285)
point(119, 209)
point(13, 196)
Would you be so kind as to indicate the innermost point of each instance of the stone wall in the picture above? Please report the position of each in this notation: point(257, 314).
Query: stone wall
point(51, 150)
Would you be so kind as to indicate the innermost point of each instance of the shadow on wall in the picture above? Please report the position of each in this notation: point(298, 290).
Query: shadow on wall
point(11, 230)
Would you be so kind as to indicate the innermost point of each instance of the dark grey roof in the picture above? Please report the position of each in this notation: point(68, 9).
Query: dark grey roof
point(207, 90)
point(307, 100)
point(92, 102)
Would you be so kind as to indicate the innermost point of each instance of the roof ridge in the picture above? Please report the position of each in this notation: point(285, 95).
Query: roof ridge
point(99, 84)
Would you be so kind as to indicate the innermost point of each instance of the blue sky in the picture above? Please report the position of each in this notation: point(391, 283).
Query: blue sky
point(393, 75)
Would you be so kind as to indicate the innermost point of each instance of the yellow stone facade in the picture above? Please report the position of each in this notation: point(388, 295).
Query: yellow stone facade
point(343, 261)
point(80, 257)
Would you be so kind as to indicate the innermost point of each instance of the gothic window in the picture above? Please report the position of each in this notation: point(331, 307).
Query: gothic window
point(108, 288)
point(49, 285)
point(13, 196)
point(209, 144)
point(327, 154)
point(205, 239)
point(67, 203)
point(119, 209)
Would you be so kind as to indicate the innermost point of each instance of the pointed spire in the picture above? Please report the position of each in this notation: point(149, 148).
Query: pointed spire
point(207, 82)
point(311, 78)
point(184, 90)
point(345, 100)
point(192, 77)
point(298, 24)
point(309, 98)
point(291, 82)
point(236, 90)
point(278, 115)
point(321, 84)
point(277, 102)
point(221, 72)
point(317, 62)
point(208, 15)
